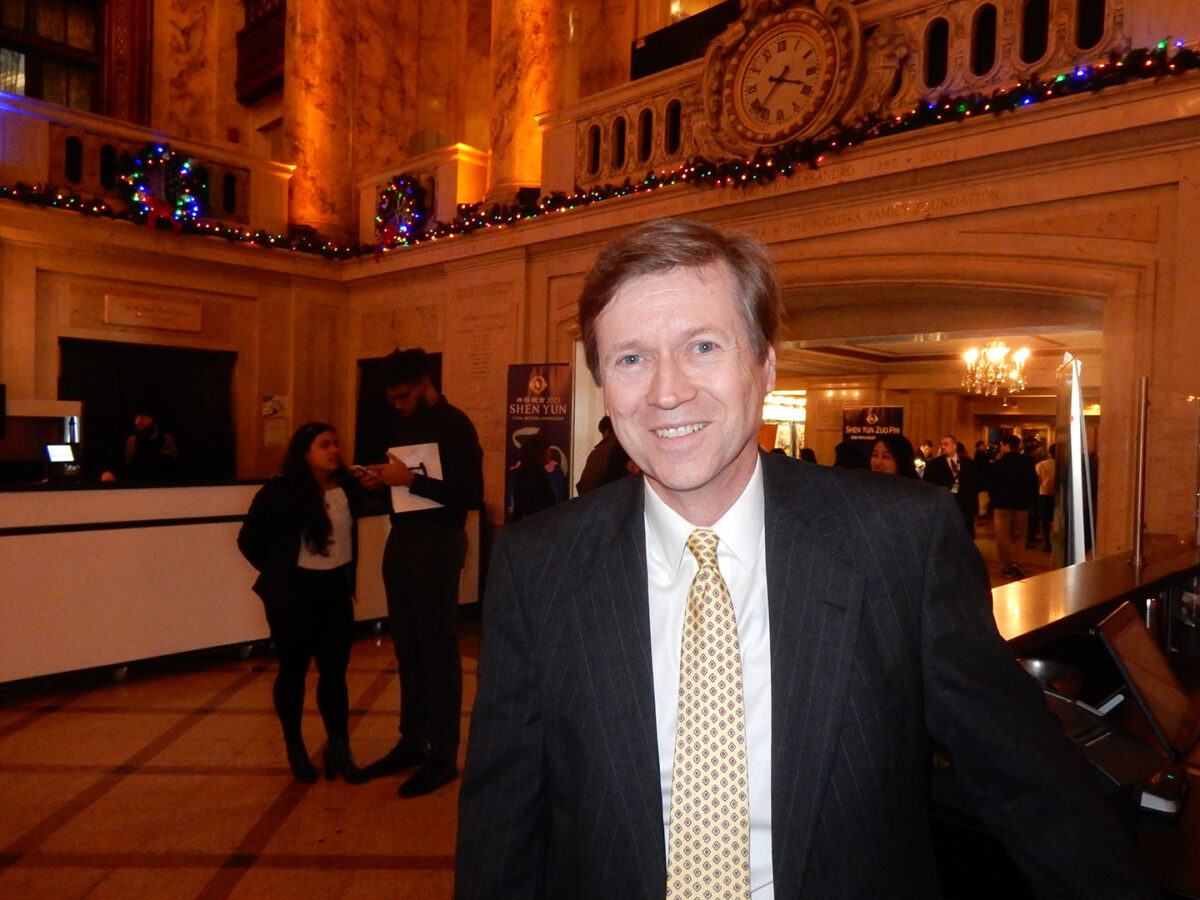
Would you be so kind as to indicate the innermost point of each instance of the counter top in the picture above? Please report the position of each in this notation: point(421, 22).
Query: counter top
point(1035, 610)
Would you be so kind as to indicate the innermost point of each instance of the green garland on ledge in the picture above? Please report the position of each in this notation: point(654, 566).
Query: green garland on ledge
point(1165, 59)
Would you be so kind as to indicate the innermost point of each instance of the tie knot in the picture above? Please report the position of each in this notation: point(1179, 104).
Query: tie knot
point(703, 544)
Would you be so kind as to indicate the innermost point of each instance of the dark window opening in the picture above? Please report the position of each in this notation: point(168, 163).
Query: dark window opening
point(674, 135)
point(52, 50)
point(937, 52)
point(73, 159)
point(108, 166)
point(1035, 30)
point(189, 391)
point(645, 135)
point(1089, 24)
point(229, 193)
point(618, 137)
point(983, 43)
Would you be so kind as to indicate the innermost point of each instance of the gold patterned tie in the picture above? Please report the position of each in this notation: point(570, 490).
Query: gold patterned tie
point(709, 853)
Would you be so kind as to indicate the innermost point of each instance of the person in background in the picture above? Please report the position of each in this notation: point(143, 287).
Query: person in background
point(955, 471)
point(536, 481)
point(1014, 486)
point(808, 454)
point(849, 455)
point(892, 454)
point(927, 450)
point(1046, 473)
point(424, 554)
point(149, 454)
point(596, 469)
point(300, 535)
point(983, 458)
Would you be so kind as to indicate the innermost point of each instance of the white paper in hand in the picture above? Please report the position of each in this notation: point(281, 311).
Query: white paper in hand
point(422, 459)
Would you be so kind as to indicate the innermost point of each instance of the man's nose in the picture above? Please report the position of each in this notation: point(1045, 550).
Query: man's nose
point(670, 385)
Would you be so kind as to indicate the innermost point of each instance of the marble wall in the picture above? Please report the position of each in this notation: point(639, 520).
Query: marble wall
point(194, 68)
point(528, 40)
point(318, 91)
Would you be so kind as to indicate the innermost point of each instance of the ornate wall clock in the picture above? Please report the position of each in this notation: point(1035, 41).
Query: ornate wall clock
point(780, 75)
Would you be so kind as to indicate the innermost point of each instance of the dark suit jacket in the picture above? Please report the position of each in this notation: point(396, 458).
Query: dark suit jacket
point(881, 634)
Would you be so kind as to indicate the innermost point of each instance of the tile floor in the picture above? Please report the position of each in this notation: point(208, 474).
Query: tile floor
point(172, 783)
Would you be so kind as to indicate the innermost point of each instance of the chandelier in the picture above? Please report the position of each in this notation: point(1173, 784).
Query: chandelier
point(993, 370)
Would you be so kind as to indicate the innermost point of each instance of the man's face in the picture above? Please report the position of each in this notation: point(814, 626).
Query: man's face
point(683, 387)
point(143, 423)
point(949, 446)
point(407, 399)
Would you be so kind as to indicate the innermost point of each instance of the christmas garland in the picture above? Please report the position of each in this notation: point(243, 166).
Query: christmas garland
point(400, 219)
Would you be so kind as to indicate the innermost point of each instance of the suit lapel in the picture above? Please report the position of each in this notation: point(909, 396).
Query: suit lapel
point(614, 624)
point(815, 598)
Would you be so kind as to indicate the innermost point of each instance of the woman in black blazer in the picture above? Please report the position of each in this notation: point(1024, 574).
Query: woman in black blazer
point(300, 534)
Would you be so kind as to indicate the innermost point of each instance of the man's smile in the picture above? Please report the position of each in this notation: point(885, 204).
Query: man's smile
point(680, 430)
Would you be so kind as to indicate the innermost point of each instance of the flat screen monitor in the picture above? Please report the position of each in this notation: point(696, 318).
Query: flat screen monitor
point(1163, 701)
point(60, 453)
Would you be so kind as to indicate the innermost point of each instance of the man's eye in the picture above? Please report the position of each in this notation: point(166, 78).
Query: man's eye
point(705, 347)
point(630, 359)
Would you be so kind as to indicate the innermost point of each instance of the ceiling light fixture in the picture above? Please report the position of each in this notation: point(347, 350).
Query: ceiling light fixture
point(992, 369)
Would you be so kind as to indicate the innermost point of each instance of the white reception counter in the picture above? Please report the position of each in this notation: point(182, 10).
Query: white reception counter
point(98, 577)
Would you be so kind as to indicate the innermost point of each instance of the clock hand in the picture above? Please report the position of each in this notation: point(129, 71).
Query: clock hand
point(776, 82)
point(781, 80)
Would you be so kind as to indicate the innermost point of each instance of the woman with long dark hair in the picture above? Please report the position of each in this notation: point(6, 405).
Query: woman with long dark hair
point(300, 534)
point(893, 454)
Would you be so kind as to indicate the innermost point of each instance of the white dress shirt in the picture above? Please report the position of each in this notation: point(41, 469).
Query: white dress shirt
point(741, 555)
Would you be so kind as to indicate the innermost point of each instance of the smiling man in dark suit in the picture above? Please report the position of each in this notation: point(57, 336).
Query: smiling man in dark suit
point(719, 679)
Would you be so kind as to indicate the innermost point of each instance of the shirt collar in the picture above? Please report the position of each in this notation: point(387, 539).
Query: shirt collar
point(739, 531)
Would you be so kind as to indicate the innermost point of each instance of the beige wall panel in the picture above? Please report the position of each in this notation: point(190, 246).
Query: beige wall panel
point(564, 326)
point(1171, 457)
point(318, 365)
point(479, 347)
point(18, 319)
point(276, 317)
point(417, 325)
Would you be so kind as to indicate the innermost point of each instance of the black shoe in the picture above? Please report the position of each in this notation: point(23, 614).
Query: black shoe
point(338, 761)
point(302, 766)
point(427, 779)
point(402, 756)
point(1016, 571)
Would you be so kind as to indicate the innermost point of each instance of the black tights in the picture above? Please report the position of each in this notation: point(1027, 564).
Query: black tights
point(318, 625)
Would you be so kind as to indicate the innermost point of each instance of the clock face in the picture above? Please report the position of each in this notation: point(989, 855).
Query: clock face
point(780, 81)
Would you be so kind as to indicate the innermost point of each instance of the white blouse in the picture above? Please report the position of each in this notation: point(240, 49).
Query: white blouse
point(341, 548)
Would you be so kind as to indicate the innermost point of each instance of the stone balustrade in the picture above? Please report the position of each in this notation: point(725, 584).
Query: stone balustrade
point(914, 53)
point(80, 153)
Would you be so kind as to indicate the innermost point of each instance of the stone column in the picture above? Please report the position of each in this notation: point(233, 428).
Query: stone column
point(528, 44)
point(318, 115)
